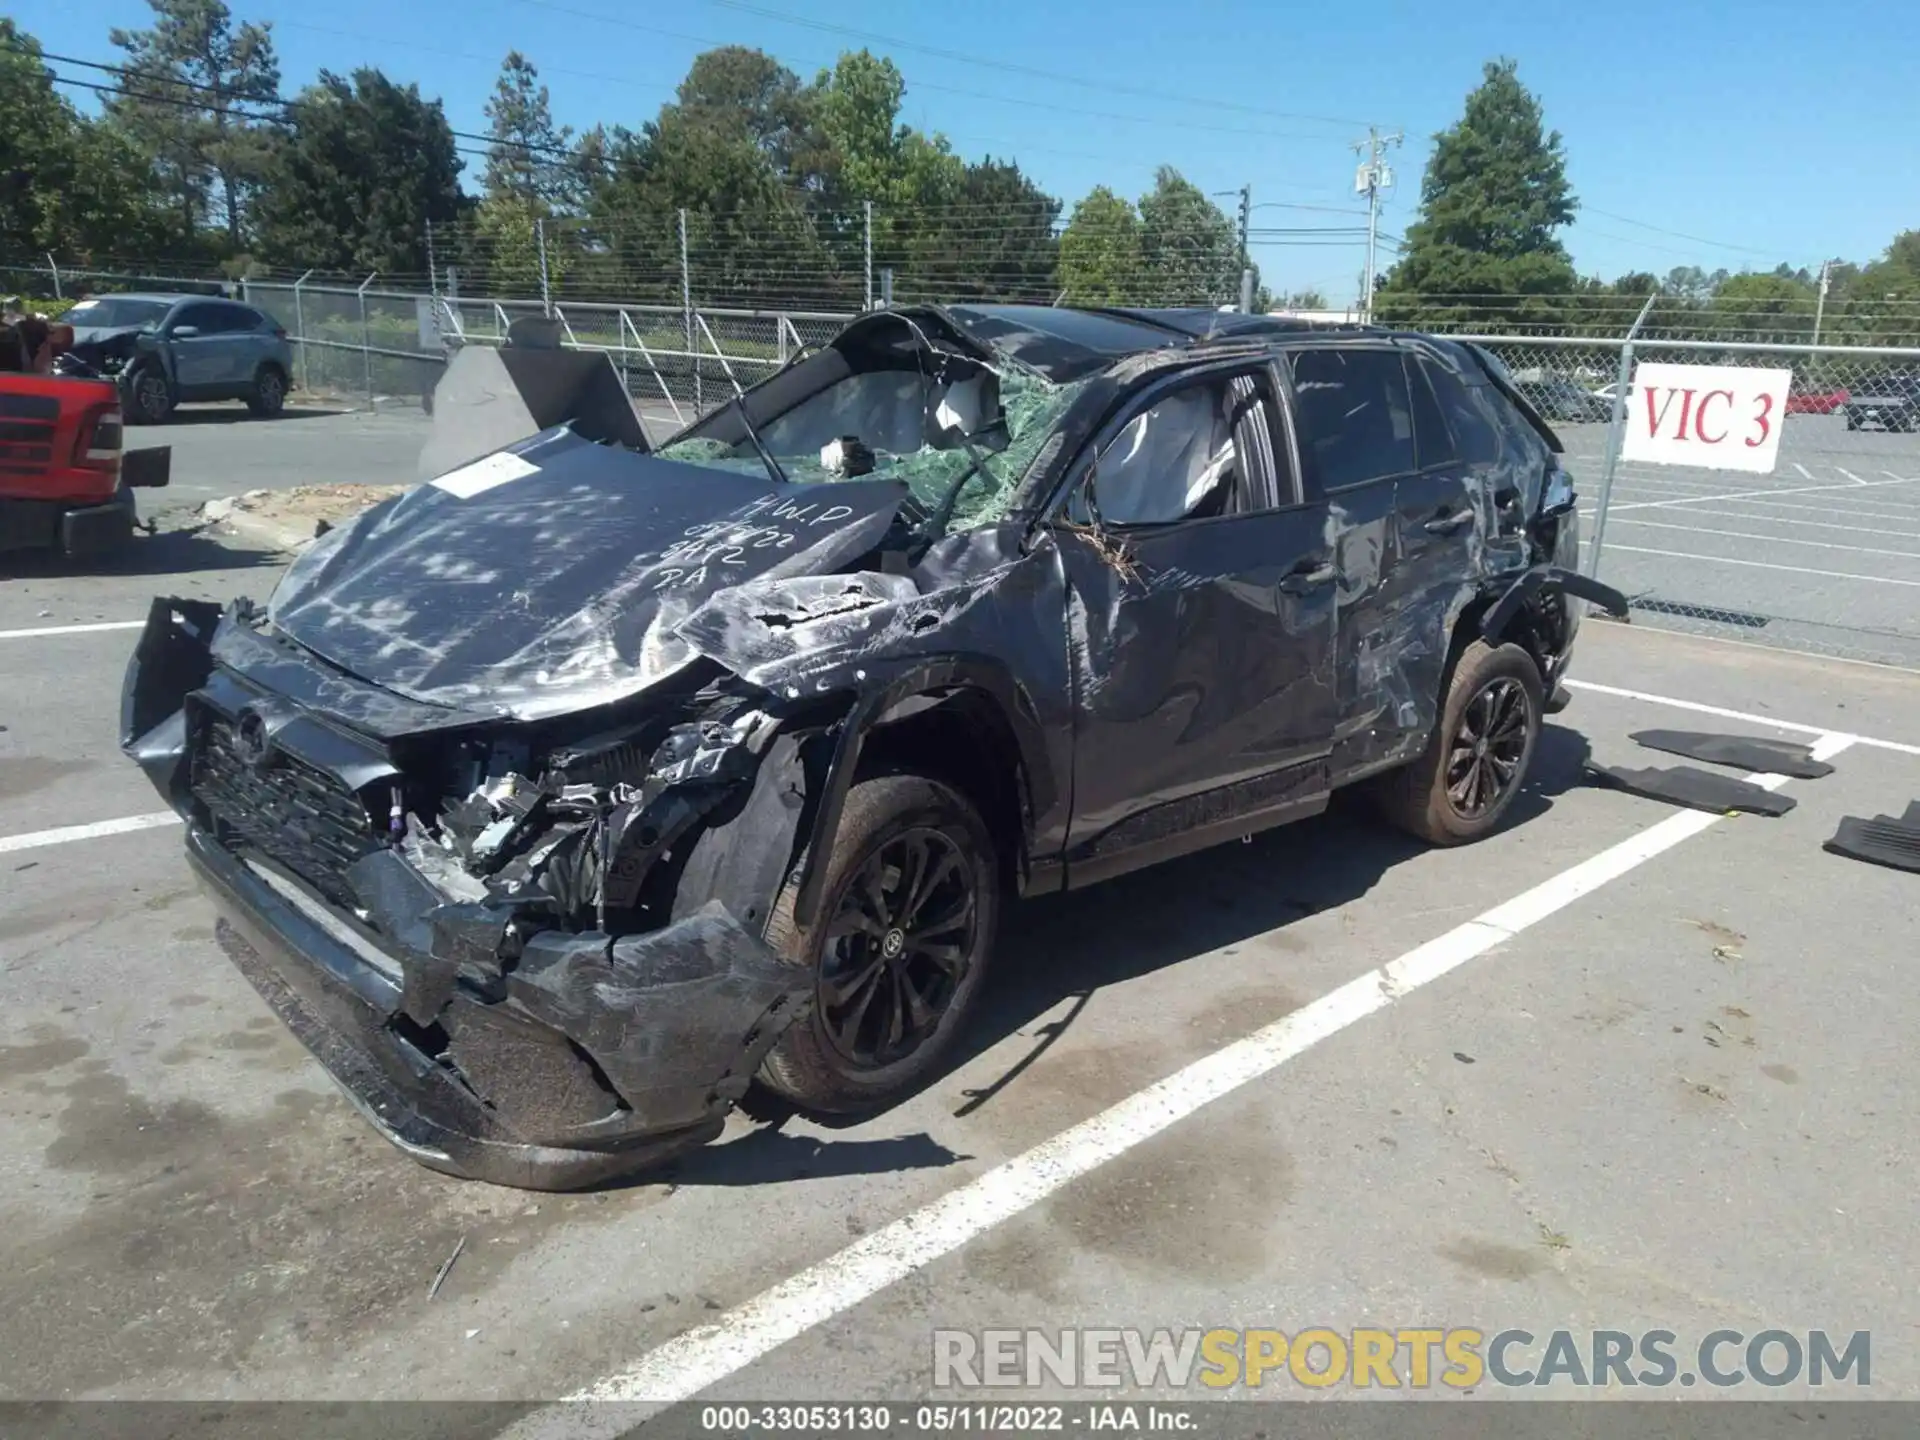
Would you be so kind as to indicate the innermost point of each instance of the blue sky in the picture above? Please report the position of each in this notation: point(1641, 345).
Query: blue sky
point(1697, 131)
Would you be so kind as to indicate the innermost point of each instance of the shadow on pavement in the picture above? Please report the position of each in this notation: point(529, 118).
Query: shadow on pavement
point(1063, 948)
point(770, 1155)
point(232, 415)
point(169, 552)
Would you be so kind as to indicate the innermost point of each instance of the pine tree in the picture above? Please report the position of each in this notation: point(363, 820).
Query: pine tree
point(1485, 248)
point(193, 81)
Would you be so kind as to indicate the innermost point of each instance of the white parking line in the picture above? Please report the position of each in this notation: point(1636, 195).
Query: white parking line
point(1834, 508)
point(46, 630)
point(1763, 565)
point(1880, 530)
point(66, 834)
point(1674, 703)
point(1769, 490)
point(1853, 477)
point(1771, 539)
point(704, 1356)
point(1805, 474)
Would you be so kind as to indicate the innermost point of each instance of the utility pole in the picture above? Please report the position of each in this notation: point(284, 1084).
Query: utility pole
point(1370, 180)
point(1246, 255)
point(1820, 305)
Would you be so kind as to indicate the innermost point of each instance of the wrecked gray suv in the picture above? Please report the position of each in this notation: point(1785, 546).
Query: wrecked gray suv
point(559, 799)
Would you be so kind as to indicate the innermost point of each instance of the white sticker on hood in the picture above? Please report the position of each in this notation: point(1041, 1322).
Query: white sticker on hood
point(483, 474)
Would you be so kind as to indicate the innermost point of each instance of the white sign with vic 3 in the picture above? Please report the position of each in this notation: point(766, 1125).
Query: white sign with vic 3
point(1712, 417)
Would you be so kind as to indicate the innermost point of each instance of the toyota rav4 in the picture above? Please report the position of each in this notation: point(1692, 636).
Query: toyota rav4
point(557, 800)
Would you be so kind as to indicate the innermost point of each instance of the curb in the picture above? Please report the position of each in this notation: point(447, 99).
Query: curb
point(264, 534)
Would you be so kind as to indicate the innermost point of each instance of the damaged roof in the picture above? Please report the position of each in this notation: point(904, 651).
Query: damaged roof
point(1067, 344)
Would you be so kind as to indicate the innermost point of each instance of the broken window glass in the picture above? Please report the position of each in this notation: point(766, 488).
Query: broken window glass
point(924, 426)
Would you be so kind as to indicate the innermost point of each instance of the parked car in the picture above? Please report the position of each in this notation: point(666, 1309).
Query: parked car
point(1565, 402)
point(1890, 400)
point(1816, 401)
point(556, 799)
point(168, 350)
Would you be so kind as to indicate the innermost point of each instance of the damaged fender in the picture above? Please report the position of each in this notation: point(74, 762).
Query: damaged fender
point(1542, 578)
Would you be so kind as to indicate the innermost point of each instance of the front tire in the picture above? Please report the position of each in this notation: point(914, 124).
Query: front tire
point(1464, 782)
point(148, 398)
point(898, 948)
point(269, 394)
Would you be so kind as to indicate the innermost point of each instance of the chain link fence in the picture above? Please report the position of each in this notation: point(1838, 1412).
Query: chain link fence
point(384, 347)
point(1821, 554)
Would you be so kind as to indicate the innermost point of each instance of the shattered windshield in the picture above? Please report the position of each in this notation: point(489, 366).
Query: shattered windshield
point(118, 314)
point(890, 412)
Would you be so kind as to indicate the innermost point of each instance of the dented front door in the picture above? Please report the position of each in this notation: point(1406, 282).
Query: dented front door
point(1202, 635)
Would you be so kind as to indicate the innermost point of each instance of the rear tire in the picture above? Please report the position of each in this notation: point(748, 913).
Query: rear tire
point(899, 946)
point(269, 394)
point(1464, 782)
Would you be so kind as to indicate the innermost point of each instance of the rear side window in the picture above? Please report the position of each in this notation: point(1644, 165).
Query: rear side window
point(1356, 416)
point(1521, 441)
point(1473, 428)
point(1433, 439)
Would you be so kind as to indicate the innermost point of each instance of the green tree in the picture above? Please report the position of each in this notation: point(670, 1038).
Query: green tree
point(1100, 255)
point(997, 244)
point(1308, 299)
point(362, 169)
point(1764, 307)
point(192, 81)
point(716, 151)
point(1189, 248)
point(1878, 303)
point(68, 185)
point(527, 156)
point(1485, 248)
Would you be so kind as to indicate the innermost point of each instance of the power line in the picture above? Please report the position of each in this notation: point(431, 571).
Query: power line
point(1014, 68)
point(1160, 122)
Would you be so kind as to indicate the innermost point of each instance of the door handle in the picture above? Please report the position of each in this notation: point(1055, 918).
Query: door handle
point(1307, 576)
point(1447, 524)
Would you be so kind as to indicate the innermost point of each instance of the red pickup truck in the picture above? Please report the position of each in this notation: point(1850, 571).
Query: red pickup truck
point(65, 483)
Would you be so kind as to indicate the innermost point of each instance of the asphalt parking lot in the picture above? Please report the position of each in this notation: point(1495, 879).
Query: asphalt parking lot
point(1822, 555)
point(1618, 1066)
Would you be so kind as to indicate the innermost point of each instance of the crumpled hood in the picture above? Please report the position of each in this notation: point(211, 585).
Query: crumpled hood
point(90, 341)
point(552, 575)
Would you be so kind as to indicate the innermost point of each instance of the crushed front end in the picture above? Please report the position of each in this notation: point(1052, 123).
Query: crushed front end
point(475, 925)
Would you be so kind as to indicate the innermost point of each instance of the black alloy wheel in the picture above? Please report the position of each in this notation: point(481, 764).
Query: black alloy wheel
point(897, 948)
point(1488, 749)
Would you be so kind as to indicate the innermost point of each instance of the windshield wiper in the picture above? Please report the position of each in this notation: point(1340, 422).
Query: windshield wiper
point(778, 476)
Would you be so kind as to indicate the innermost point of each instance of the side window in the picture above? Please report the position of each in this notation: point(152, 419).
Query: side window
point(1433, 438)
point(1198, 451)
point(1474, 432)
point(1355, 414)
point(237, 320)
point(204, 318)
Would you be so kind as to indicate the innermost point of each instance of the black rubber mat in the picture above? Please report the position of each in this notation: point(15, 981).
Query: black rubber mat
point(1912, 817)
point(1880, 841)
point(1699, 789)
point(1773, 757)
